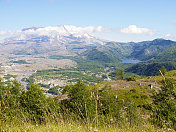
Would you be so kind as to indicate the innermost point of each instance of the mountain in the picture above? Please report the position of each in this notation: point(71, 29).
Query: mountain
point(110, 52)
point(158, 50)
point(70, 40)
point(147, 49)
point(64, 38)
point(50, 48)
point(167, 55)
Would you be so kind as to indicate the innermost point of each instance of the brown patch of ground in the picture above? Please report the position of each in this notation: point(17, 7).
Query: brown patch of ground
point(122, 84)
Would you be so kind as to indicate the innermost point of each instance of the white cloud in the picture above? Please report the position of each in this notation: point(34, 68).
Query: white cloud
point(6, 33)
point(170, 36)
point(133, 29)
point(53, 30)
point(64, 29)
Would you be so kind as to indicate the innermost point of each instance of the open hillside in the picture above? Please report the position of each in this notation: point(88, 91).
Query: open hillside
point(119, 105)
point(87, 66)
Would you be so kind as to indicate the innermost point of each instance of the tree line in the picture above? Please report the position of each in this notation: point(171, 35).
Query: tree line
point(98, 105)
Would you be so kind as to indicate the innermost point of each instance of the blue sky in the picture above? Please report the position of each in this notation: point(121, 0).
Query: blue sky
point(123, 20)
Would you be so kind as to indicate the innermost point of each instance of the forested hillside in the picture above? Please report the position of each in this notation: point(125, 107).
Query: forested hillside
point(167, 55)
point(151, 69)
point(147, 49)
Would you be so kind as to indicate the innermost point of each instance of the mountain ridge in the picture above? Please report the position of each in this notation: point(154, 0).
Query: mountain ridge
point(72, 40)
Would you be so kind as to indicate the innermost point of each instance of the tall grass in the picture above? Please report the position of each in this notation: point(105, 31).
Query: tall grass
point(73, 126)
point(85, 110)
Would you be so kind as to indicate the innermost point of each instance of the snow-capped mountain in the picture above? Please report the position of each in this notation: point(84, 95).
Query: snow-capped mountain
point(46, 39)
point(66, 31)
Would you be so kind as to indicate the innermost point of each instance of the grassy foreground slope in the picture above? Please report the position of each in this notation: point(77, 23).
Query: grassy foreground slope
point(76, 127)
point(109, 106)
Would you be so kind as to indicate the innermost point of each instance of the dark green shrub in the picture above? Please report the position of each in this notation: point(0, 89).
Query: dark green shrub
point(120, 75)
point(164, 105)
point(53, 91)
point(131, 78)
point(33, 101)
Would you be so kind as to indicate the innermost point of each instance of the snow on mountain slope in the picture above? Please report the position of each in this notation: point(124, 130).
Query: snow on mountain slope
point(63, 37)
point(62, 30)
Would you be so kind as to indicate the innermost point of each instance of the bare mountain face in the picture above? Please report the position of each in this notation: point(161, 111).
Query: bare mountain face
point(32, 49)
point(68, 40)
point(65, 39)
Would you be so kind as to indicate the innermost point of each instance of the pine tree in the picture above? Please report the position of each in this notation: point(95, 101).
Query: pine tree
point(163, 70)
